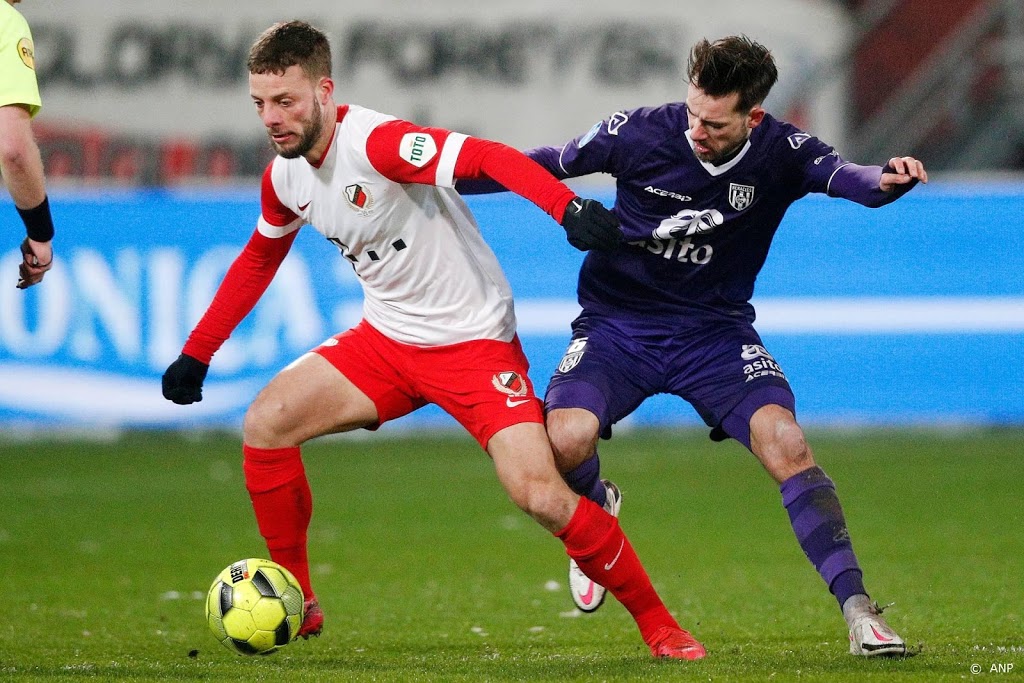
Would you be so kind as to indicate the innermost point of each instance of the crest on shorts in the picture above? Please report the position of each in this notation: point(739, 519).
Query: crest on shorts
point(740, 196)
point(573, 354)
point(511, 383)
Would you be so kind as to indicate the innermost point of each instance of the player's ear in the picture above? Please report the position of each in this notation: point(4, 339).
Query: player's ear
point(755, 117)
point(325, 88)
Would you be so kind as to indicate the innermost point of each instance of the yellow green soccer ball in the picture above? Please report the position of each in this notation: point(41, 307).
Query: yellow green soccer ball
point(254, 607)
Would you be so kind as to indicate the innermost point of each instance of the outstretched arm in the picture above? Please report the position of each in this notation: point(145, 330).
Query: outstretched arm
point(514, 171)
point(876, 186)
point(449, 157)
point(548, 157)
point(588, 224)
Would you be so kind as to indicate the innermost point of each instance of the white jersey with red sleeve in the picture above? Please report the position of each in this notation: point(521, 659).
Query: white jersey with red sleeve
point(383, 194)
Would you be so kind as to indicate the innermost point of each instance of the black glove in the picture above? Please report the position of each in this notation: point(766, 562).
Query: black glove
point(588, 225)
point(183, 381)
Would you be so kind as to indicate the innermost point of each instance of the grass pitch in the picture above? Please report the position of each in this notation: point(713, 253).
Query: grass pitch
point(427, 573)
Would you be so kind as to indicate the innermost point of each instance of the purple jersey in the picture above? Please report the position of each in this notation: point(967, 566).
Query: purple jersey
point(696, 235)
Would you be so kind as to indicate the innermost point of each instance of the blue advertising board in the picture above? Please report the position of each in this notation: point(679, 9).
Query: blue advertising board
point(908, 314)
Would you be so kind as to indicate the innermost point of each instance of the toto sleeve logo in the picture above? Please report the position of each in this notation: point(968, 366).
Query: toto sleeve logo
point(417, 148)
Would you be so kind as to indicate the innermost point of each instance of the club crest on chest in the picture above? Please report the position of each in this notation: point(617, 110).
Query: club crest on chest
point(740, 196)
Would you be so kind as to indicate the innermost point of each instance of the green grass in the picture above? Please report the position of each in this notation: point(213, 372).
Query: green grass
point(427, 573)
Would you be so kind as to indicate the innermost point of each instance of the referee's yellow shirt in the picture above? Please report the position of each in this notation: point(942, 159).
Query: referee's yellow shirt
point(17, 61)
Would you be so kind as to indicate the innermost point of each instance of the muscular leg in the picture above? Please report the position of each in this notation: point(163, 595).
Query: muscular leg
point(307, 399)
point(809, 497)
point(524, 466)
point(573, 433)
point(592, 537)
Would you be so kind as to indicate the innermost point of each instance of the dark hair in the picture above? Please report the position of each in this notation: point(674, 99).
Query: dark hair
point(288, 44)
point(735, 64)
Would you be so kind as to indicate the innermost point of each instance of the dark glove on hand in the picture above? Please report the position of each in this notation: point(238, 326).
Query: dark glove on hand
point(588, 225)
point(183, 381)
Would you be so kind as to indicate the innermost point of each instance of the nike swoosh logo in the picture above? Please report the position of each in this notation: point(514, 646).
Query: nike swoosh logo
point(577, 205)
point(608, 567)
point(512, 404)
point(878, 635)
point(588, 596)
point(302, 207)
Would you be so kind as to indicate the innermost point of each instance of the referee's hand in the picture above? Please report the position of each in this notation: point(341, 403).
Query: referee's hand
point(36, 259)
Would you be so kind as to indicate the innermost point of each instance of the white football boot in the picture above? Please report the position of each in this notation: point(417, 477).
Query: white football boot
point(588, 595)
point(870, 635)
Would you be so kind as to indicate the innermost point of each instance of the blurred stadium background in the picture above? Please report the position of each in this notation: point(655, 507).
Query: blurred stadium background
point(911, 314)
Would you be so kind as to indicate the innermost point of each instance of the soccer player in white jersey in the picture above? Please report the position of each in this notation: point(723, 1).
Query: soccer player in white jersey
point(438, 323)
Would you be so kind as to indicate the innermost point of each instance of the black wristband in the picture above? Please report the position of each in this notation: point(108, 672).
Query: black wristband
point(38, 222)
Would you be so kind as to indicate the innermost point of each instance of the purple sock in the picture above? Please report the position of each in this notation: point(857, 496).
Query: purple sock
point(586, 480)
point(817, 518)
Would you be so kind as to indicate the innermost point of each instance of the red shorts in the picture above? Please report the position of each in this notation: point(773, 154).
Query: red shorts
point(483, 384)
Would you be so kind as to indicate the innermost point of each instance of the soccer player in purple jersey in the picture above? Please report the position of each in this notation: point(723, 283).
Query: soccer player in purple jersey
point(701, 188)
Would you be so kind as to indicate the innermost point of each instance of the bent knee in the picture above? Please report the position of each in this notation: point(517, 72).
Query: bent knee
point(782, 447)
point(792, 446)
point(573, 433)
point(266, 424)
point(550, 503)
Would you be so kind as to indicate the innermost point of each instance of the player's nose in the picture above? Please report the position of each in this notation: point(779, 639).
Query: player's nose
point(271, 116)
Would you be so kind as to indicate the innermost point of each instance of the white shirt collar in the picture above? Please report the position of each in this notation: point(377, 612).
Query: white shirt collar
point(719, 170)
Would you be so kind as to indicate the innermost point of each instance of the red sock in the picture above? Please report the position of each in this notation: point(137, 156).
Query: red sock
point(594, 539)
point(283, 503)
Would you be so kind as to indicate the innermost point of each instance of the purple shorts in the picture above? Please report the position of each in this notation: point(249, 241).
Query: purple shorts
point(722, 370)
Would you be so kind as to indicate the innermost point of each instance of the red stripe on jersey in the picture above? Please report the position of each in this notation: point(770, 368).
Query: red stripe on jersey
point(384, 150)
point(274, 212)
point(243, 285)
point(338, 116)
point(516, 171)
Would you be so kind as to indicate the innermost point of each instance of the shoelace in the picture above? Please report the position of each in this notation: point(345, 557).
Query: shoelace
point(875, 608)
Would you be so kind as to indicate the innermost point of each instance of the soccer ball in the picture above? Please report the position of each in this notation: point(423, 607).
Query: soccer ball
point(254, 607)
